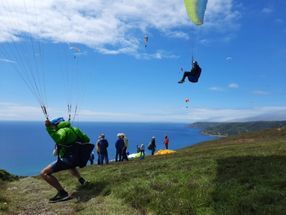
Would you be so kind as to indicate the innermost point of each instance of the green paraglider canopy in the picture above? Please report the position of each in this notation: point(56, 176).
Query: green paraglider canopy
point(196, 10)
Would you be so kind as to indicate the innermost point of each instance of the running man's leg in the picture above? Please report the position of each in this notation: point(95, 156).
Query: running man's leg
point(74, 172)
point(46, 174)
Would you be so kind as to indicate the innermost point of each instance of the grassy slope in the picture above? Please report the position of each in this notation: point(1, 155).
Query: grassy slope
point(234, 175)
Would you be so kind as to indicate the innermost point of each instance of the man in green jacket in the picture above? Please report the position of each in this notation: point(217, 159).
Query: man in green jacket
point(65, 136)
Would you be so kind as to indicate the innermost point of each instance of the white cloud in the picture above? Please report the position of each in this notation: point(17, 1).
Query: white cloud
point(228, 115)
point(233, 85)
point(12, 111)
point(228, 58)
point(221, 13)
point(7, 60)
point(218, 89)
point(108, 26)
point(205, 42)
point(260, 93)
point(279, 21)
point(267, 10)
point(160, 54)
point(178, 34)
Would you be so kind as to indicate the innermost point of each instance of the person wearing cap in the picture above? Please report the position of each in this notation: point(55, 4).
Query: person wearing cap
point(102, 145)
point(192, 75)
point(119, 145)
point(152, 145)
point(124, 152)
point(64, 136)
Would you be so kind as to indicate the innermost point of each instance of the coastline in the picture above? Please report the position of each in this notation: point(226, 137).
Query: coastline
point(213, 135)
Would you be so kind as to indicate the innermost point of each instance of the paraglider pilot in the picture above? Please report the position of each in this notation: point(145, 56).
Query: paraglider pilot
point(65, 136)
point(193, 75)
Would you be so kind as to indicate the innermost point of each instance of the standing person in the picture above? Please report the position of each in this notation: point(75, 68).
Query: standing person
point(142, 151)
point(166, 142)
point(124, 153)
point(137, 148)
point(65, 136)
point(91, 158)
point(193, 75)
point(152, 145)
point(97, 151)
point(119, 147)
point(102, 144)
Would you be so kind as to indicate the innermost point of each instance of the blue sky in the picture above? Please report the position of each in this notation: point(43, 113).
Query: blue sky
point(91, 54)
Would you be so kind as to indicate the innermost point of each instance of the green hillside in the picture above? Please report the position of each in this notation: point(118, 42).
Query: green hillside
point(235, 128)
point(5, 176)
point(244, 174)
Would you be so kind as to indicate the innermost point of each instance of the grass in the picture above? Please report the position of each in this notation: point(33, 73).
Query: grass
point(5, 177)
point(244, 174)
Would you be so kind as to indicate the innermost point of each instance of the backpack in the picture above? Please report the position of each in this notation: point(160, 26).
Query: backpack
point(82, 153)
point(149, 147)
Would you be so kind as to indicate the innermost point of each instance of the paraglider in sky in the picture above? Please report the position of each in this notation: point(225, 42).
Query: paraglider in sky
point(75, 49)
point(187, 100)
point(196, 10)
point(192, 75)
point(146, 40)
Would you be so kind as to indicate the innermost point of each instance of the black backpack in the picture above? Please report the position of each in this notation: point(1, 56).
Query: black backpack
point(82, 153)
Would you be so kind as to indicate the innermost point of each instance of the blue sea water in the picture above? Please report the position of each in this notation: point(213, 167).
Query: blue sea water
point(26, 147)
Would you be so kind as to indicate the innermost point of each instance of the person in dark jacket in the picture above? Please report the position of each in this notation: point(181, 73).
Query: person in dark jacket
point(102, 145)
point(119, 145)
point(193, 75)
point(65, 136)
point(152, 145)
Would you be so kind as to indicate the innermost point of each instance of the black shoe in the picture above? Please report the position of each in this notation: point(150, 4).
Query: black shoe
point(180, 82)
point(82, 181)
point(61, 196)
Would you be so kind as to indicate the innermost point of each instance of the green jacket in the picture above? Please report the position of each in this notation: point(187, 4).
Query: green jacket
point(65, 135)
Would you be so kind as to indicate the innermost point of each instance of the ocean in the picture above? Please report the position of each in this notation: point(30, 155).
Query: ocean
point(26, 147)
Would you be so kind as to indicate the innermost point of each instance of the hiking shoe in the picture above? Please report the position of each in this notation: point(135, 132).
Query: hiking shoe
point(180, 82)
point(60, 196)
point(82, 181)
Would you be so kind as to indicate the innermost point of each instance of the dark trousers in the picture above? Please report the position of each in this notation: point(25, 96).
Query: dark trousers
point(124, 155)
point(98, 158)
point(142, 154)
point(103, 157)
point(118, 155)
point(191, 77)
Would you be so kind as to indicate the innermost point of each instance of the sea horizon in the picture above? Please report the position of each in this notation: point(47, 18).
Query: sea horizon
point(26, 147)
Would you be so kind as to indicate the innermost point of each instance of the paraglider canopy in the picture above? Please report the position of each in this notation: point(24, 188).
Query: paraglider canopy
point(196, 10)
